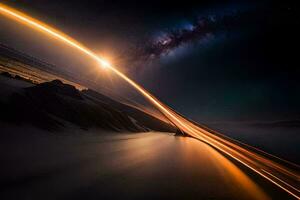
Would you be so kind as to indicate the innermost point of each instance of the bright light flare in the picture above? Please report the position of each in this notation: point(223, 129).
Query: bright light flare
point(105, 64)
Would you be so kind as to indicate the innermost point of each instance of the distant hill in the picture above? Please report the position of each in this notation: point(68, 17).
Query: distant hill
point(282, 123)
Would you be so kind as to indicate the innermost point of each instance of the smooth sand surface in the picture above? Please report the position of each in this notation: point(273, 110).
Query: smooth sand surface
point(78, 164)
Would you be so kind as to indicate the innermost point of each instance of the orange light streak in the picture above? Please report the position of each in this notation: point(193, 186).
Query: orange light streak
point(42, 27)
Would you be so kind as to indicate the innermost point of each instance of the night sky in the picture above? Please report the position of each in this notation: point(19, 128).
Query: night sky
point(211, 60)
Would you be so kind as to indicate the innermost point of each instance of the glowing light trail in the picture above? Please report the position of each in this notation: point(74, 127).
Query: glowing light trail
point(42, 27)
point(273, 172)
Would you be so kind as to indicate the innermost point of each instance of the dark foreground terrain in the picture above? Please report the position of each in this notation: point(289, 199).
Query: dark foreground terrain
point(97, 164)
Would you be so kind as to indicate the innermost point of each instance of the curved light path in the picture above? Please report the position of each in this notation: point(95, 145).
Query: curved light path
point(281, 176)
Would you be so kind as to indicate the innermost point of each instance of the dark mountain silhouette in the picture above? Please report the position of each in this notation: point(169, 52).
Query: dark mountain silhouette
point(50, 105)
